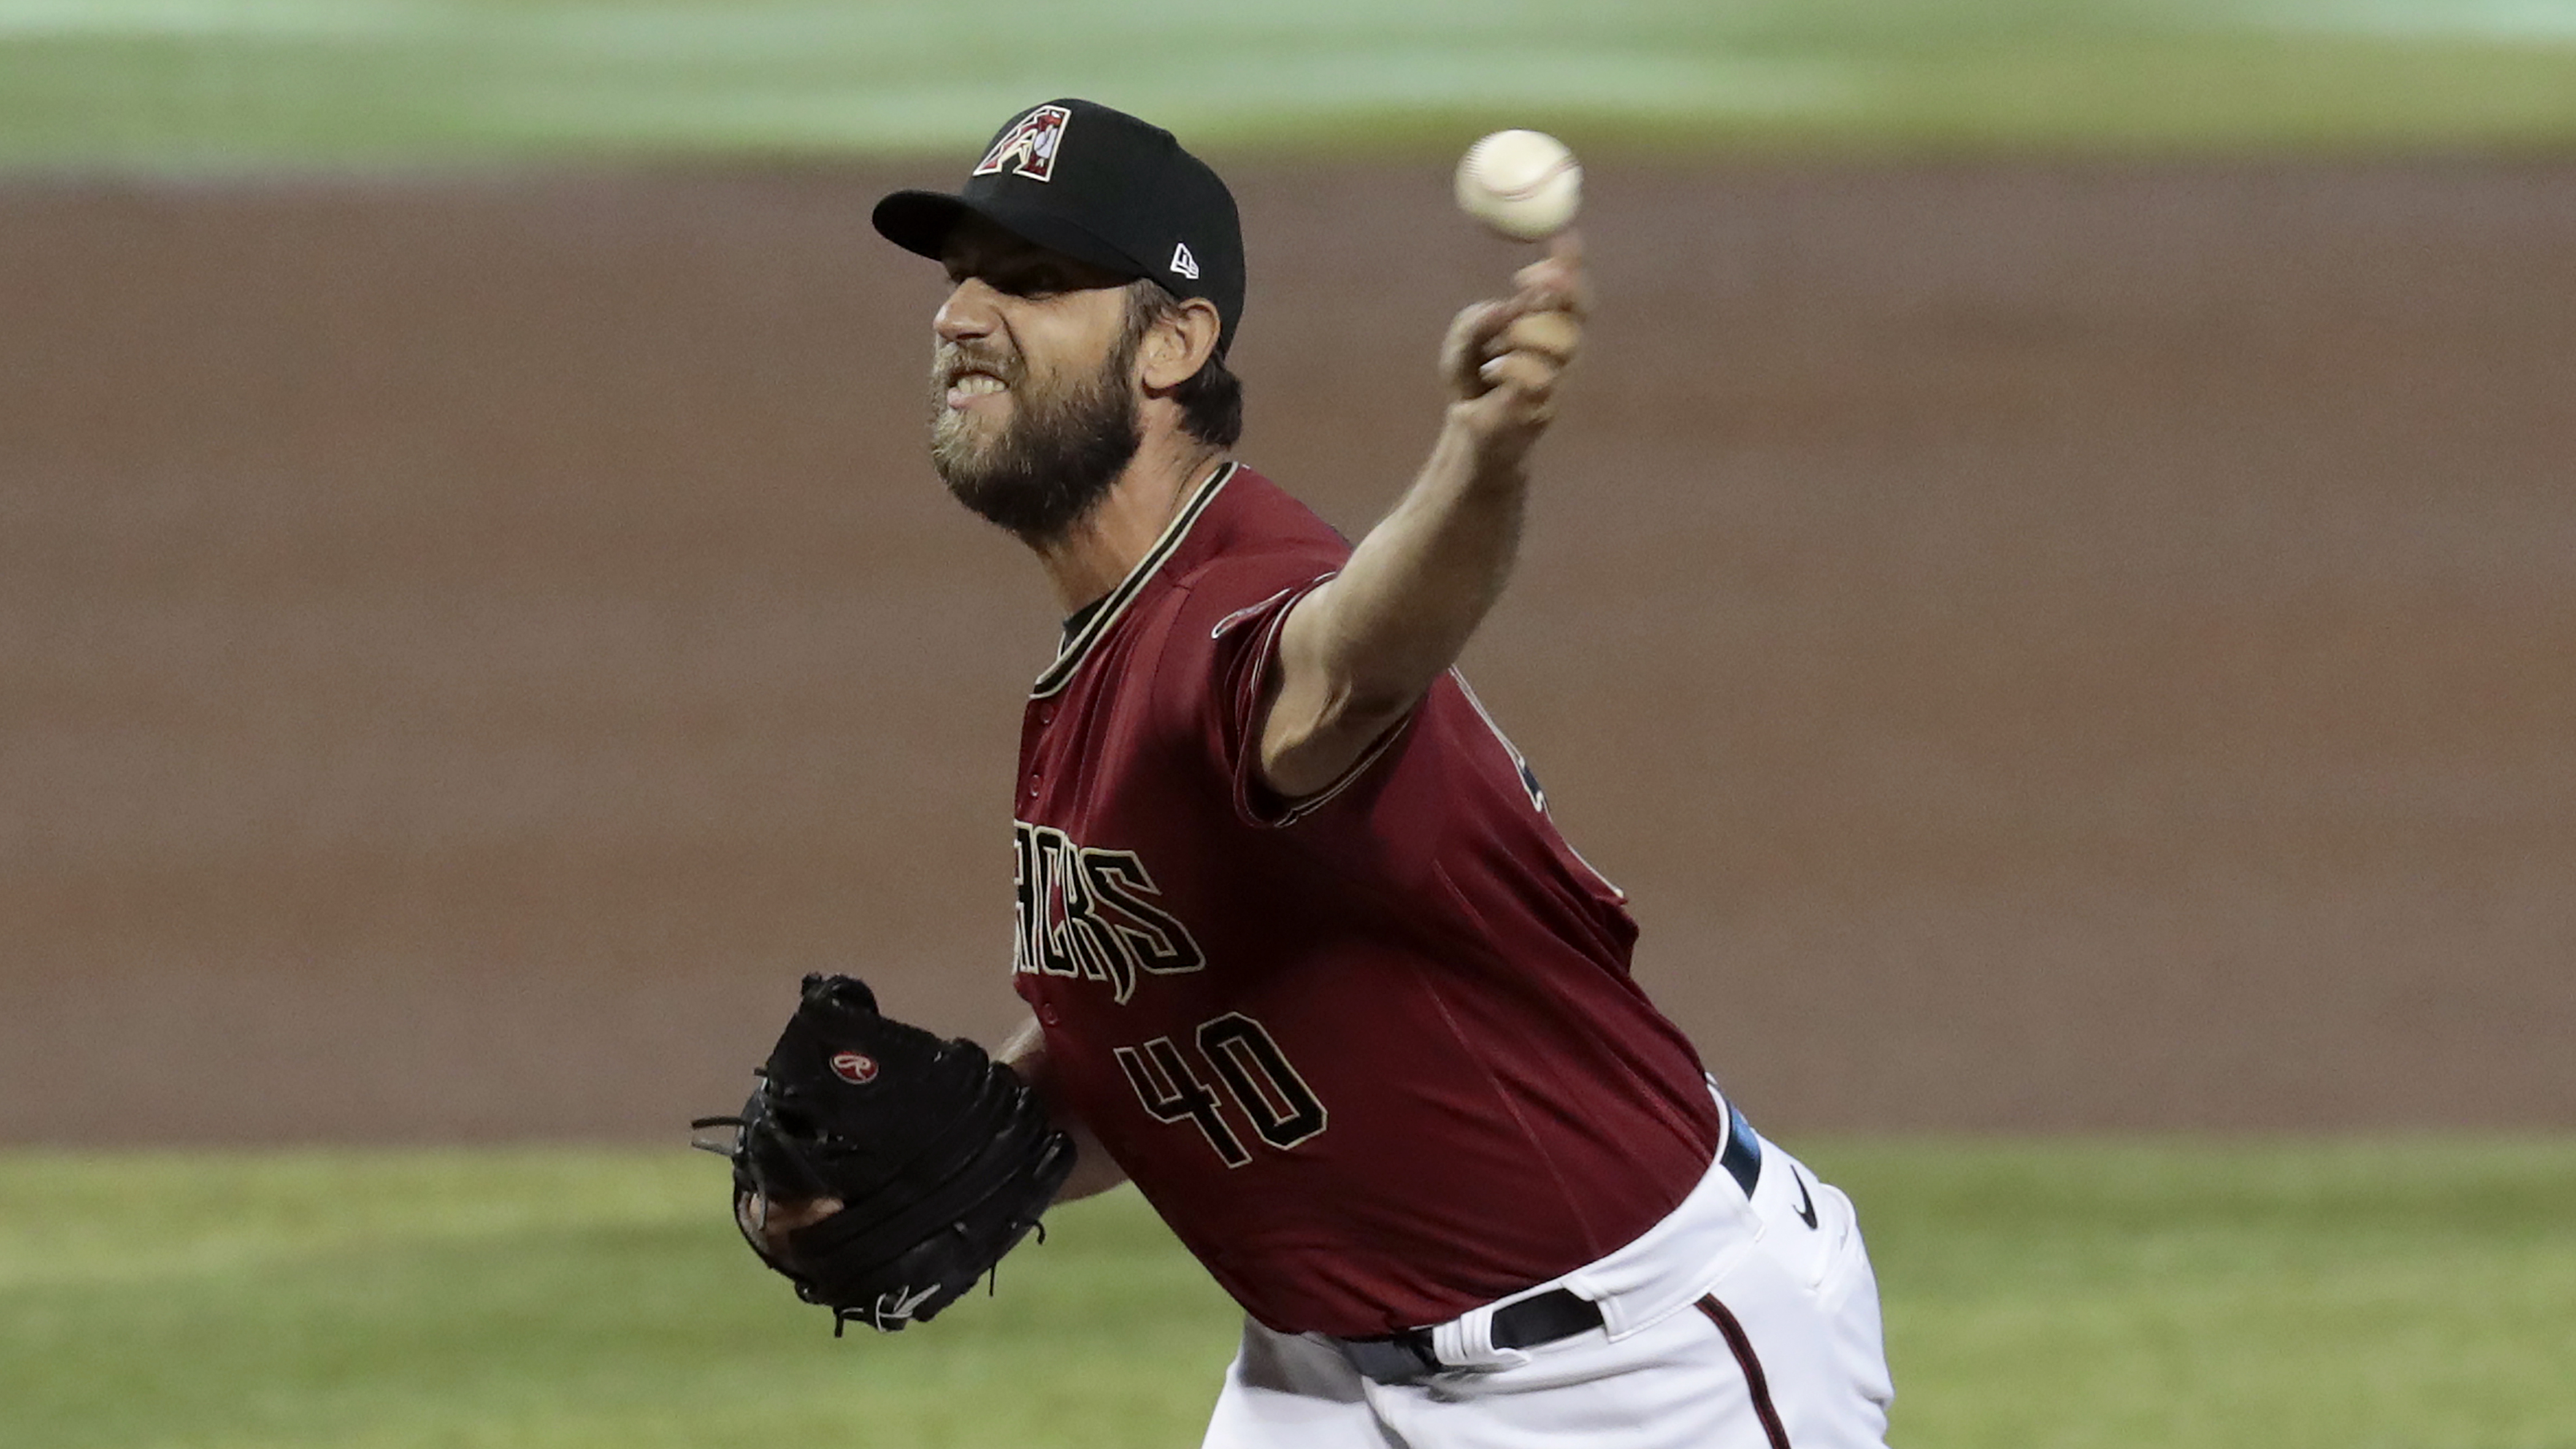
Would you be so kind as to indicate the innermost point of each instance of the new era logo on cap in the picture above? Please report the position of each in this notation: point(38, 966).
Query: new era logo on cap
point(1183, 264)
point(1028, 148)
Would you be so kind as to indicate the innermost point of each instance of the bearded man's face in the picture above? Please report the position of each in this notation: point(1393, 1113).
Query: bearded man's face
point(1040, 465)
point(1034, 408)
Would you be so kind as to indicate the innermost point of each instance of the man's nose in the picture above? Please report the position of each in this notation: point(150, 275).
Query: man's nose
point(968, 313)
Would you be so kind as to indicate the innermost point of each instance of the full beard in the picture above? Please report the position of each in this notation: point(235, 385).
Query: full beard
point(1053, 461)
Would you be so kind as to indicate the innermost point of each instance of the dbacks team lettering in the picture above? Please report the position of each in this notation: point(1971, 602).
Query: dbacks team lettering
point(1090, 913)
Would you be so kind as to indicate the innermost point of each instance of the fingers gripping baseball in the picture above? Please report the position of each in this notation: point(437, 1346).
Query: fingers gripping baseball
point(1532, 351)
point(1504, 358)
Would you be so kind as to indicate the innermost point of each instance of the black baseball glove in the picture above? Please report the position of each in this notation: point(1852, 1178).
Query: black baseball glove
point(940, 1158)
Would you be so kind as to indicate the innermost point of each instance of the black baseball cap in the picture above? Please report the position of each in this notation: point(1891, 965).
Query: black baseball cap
point(1102, 187)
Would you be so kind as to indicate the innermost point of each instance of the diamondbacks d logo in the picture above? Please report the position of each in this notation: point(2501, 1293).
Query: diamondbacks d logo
point(853, 1068)
point(1029, 147)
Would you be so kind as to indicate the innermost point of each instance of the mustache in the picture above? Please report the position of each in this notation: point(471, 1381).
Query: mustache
point(952, 361)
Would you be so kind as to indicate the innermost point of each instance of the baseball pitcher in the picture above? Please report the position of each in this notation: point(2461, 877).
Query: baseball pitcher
point(1306, 959)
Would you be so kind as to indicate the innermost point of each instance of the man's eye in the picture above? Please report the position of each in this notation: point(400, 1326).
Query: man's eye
point(1035, 284)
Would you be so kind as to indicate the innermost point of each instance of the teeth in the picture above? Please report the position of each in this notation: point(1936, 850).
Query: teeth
point(977, 383)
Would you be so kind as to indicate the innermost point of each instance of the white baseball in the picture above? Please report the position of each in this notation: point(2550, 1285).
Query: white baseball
point(1523, 184)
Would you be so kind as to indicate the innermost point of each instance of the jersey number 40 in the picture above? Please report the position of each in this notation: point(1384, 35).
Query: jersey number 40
point(1264, 1089)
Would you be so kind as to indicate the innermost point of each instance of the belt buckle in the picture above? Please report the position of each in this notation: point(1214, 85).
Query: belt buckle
point(1397, 1358)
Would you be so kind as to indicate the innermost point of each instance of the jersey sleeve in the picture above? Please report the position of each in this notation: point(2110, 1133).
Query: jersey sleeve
point(1222, 661)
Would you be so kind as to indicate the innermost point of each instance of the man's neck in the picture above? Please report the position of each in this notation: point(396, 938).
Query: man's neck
point(1107, 544)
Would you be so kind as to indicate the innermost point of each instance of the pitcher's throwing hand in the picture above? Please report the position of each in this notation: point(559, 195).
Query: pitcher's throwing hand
point(1503, 358)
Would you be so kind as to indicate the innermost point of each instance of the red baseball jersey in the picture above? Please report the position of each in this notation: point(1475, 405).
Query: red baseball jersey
point(1375, 1055)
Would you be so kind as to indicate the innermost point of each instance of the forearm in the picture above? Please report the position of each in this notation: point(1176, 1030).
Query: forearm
point(1419, 584)
point(1094, 1171)
point(1358, 652)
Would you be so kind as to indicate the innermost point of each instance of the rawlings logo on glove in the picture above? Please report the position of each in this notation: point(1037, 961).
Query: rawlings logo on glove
point(881, 1169)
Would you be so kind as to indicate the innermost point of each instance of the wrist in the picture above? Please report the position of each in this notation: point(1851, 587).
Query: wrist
point(1496, 450)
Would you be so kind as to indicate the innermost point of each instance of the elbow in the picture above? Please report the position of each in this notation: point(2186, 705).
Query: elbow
point(1309, 751)
point(1364, 708)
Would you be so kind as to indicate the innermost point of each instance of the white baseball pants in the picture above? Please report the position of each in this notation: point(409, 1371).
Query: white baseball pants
point(1730, 1325)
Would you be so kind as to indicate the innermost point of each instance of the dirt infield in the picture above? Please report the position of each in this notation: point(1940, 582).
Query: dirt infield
point(2045, 648)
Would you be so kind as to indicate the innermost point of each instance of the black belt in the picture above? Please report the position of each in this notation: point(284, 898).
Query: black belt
point(1407, 1357)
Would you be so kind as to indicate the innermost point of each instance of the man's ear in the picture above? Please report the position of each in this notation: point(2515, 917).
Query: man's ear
point(1179, 345)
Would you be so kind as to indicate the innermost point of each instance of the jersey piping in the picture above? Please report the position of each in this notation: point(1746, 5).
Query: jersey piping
point(1529, 777)
point(1105, 614)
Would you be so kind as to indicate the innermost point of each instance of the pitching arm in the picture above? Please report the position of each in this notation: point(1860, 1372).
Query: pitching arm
point(1357, 653)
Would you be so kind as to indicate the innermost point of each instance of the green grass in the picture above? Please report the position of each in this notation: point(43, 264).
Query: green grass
point(197, 84)
point(2363, 1296)
point(2077, 1294)
point(516, 1299)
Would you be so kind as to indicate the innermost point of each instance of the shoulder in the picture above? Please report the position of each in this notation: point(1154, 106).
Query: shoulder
point(1247, 516)
point(1254, 541)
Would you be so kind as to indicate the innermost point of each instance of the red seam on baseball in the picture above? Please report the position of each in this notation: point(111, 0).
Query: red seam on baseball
point(1524, 193)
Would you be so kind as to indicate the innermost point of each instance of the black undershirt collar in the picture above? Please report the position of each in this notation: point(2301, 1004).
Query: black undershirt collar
point(1074, 621)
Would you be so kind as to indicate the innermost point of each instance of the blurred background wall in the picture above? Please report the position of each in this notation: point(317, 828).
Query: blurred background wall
point(2074, 639)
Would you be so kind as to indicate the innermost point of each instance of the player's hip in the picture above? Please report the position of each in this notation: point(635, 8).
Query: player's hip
point(1747, 1317)
point(1753, 1200)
